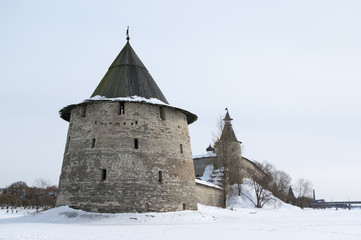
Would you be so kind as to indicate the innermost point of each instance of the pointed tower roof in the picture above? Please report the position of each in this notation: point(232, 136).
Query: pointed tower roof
point(127, 76)
point(227, 118)
point(228, 133)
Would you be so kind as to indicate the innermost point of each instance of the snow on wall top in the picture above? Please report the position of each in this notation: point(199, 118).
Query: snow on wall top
point(127, 99)
point(209, 154)
point(65, 112)
point(207, 184)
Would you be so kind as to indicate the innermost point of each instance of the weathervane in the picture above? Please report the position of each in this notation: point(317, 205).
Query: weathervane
point(127, 33)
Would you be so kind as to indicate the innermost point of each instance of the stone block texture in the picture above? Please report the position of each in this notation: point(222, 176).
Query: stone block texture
point(200, 164)
point(127, 157)
point(209, 196)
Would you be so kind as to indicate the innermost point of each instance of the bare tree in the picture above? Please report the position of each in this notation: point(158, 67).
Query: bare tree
point(19, 194)
point(42, 183)
point(34, 194)
point(9, 200)
point(282, 181)
point(216, 135)
point(260, 185)
point(303, 189)
point(278, 181)
point(18, 189)
point(230, 157)
point(280, 185)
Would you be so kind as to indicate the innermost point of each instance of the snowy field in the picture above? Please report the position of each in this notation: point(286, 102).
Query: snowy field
point(285, 222)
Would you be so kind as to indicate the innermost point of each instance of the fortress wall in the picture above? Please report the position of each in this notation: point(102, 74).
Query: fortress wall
point(200, 164)
point(250, 170)
point(247, 168)
point(209, 196)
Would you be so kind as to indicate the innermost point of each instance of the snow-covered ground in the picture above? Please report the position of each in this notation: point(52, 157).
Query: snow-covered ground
point(283, 222)
point(241, 220)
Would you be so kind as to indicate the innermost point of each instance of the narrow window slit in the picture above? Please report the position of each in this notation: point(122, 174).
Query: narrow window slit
point(83, 111)
point(136, 143)
point(104, 174)
point(93, 143)
point(181, 148)
point(160, 176)
point(121, 108)
point(67, 144)
point(161, 113)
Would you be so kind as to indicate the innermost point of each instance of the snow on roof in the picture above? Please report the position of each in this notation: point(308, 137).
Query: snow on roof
point(65, 112)
point(209, 154)
point(207, 184)
point(127, 99)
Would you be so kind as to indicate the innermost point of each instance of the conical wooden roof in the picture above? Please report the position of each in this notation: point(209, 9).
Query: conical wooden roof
point(126, 77)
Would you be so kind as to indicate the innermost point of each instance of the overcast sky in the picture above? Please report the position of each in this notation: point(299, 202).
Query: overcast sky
point(288, 71)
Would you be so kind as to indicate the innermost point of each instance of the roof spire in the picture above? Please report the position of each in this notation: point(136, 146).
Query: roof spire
point(228, 133)
point(227, 118)
point(127, 33)
point(127, 76)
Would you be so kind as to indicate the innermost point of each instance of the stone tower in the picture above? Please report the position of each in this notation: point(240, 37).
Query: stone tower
point(229, 152)
point(127, 149)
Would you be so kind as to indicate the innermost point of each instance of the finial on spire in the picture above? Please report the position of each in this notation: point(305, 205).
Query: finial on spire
point(227, 118)
point(127, 33)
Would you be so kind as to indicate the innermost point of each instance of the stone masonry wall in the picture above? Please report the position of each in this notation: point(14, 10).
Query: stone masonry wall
point(209, 196)
point(201, 163)
point(134, 161)
point(250, 170)
point(247, 168)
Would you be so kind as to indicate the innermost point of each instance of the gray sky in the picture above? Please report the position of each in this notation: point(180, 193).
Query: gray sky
point(289, 72)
